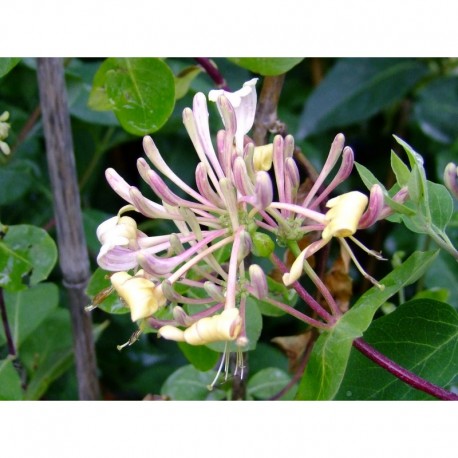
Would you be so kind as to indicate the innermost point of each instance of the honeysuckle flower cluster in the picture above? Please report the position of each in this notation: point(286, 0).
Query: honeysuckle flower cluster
point(247, 196)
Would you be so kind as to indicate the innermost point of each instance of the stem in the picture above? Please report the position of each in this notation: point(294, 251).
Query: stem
point(299, 315)
point(304, 295)
point(401, 373)
point(294, 247)
point(213, 72)
point(266, 112)
point(6, 326)
point(73, 256)
point(443, 243)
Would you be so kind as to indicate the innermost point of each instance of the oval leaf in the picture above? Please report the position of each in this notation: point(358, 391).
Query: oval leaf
point(268, 382)
point(27, 256)
point(141, 92)
point(7, 64)
point(271, 66)
point(437, 109)
point(356, 89)
point(329, 357)
point(421, 336)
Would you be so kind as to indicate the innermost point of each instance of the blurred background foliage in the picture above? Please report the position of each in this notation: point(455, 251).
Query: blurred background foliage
point(367, 99)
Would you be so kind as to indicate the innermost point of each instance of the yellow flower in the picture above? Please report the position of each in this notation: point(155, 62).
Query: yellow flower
point(344, 215)
point(141, 295)
point(223, 327)
point(262, 157)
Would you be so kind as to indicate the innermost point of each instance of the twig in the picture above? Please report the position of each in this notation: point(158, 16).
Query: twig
point(73, 256)
point(401, 373)
point(266, 112)
point(6, 326)
point(213, 72)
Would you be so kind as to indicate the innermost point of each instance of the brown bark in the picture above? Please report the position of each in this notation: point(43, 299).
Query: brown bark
point(73, 257)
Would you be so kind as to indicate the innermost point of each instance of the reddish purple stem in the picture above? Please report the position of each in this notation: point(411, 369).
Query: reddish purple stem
point(212, 70)
point(403, 374)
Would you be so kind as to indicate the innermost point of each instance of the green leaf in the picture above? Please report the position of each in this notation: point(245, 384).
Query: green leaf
point(267, 66)
point(443, 273)
point(417, 165)
point(201, 357)
point(436, 109)
point(268, 382)
point(421, 336)
point(98, 283)
point(184, 79)
point(27, 309)
point(329, 358)
point(189, 384)
point(369, 180)
point(16, 179)
point(47, 354)
point(440, 205)
point(10, 383)
point(401, 170)
point(27, 256)
point(356, 89)
point(7, 64)
point(141, 92)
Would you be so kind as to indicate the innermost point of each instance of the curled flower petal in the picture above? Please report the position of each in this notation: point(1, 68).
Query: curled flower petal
point(141, 295)
point(244, 103)
point(223, 327)
point(374, 209)
point(344, 215)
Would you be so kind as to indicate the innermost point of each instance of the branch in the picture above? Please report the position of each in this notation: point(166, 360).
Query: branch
point(266, 112)
point(403, 374)
point(213, 72)
point(6, 326)
point(73, 256)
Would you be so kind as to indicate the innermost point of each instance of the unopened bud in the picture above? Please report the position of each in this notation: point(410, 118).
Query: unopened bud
point(451, 178)
point(262, 157)
point(258, 281)
point(263, 245)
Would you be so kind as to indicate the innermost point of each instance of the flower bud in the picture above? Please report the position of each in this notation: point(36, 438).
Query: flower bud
point(451, 178)
point(258, 281)
point(262, 157)
point(263, 245)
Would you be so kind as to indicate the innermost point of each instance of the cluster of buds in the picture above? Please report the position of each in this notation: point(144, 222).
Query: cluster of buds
point(4, 131)
point(246, 197)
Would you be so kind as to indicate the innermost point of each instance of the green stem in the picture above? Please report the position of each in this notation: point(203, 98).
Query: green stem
point(96, 157)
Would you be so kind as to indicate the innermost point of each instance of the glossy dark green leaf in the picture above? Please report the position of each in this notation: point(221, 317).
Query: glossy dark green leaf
point(189, 384)
point(47, 354)
point(356, 89)
point(16, 179)
point(141, 92)
point(27, 256)
point(110, 302)
point(27, 309)
point(268, 382)
point(421, 336)
point(440, 204)
point(201, 357)
point(267, 66)
point(7, 64)
point(436, 109)
point(329, 358)
point(443, 273)
point(10, 383)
